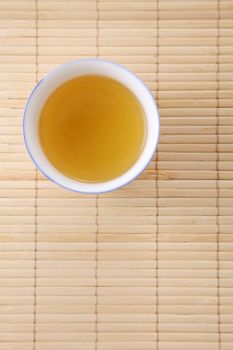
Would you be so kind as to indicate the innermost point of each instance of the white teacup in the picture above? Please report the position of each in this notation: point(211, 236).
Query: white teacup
point(56, 78)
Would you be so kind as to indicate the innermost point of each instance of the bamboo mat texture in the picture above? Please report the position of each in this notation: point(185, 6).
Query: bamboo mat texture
point(147, 267)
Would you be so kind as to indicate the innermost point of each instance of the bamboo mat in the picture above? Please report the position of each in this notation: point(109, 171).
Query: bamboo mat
point(150, 265)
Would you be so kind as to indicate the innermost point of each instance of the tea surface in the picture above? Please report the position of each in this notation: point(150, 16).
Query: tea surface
point(92, 128)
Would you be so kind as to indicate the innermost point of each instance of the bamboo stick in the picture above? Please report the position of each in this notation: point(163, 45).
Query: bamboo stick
point(56, 32)
point(182, 238)
point(65, 309)
point(82, 42)
point(127, 5)
point(70, 345)
point(192, 59)
point(10, 273)
point(182, 157)
point(16, 345)
point(187, 211)
point(66, 337)
point(187, 67)
point(66, 255)
point(66, 300)
point(188, 33)
point(56, 50)
point(186, 165)
point(17, 14)
point(75, 5)
point(189, 85)
point(189, 23)
point(16, 327)
point(17, 23)
point(17, 184)
point(66, 238)
point(190, 6)
point(67, 318)
point(69, 220)
point(65, 14)
point(14, 68)
point(68, 23)
point(65, 202)
point(126, 237)
point(15, 336)
point(65, 327)
point(128, 15)
point(198, 14)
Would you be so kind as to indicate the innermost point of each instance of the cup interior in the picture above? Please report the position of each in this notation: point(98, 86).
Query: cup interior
point(67, 72)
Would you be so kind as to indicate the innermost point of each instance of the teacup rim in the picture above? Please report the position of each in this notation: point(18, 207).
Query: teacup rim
point(98, 187)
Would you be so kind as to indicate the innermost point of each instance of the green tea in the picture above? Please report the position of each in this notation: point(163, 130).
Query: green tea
point(92, 128)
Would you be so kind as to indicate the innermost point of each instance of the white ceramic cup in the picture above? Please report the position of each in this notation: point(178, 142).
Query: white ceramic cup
point(69, 71)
